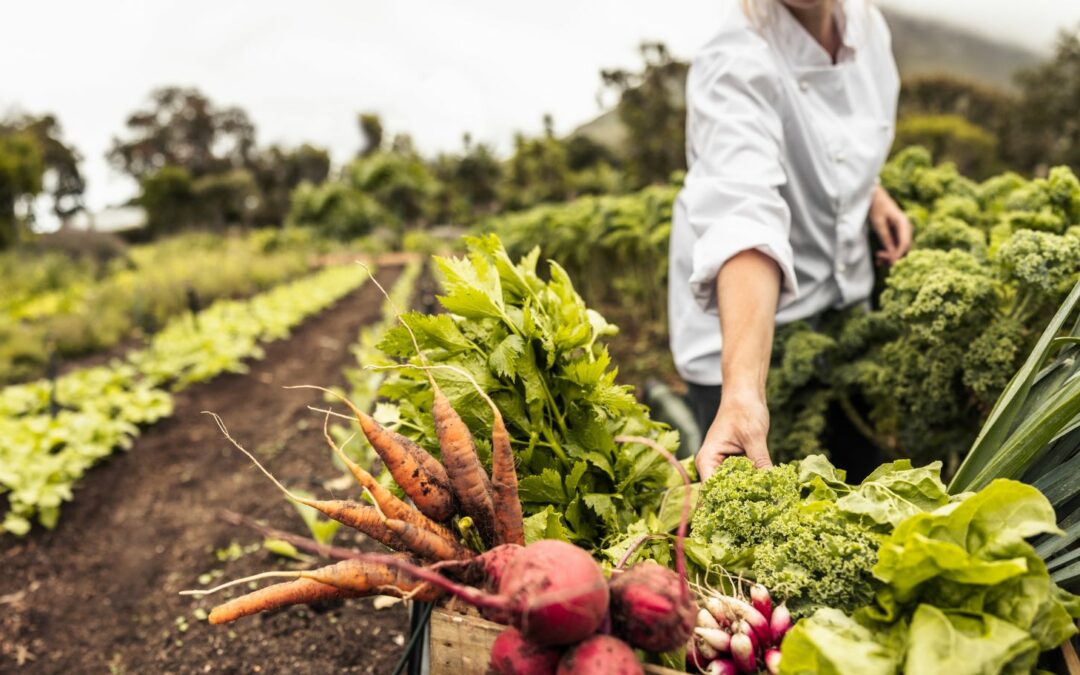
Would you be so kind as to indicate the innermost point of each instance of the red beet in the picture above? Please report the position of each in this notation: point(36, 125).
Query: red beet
point(559, 590)
point(513, 655)
point(649, 608)
point(552, 591)
point(600, 655)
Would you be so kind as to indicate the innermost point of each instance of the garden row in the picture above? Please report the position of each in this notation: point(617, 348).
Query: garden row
point(53, 431)
point(75, 293)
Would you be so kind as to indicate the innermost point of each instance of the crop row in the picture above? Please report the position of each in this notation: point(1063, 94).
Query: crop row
point(54, 431)
point(50, 302)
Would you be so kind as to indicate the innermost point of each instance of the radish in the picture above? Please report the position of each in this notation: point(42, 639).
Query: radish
point(552, 591)
point(706, 620)
point(742, 652)
point(772, 661)
point(703, 649)
point(651, 605)
point(780, 623)
point(718, 639)
point(744, 628)
point(759, 598)
point(513, 655)
point(600, 655)
point(695, 660)
point(726, 608)
point(721, 667)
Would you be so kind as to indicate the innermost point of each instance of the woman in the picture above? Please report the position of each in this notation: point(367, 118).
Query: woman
point(790, 115)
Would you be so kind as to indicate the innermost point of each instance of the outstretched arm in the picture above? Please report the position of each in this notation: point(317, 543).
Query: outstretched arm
point(748, 290)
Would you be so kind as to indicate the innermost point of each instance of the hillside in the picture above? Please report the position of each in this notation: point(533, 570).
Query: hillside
point(920, 45)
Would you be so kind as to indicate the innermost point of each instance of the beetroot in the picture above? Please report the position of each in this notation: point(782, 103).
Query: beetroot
point(552, 591)
point(558, 590)
point(600, 655)
point(513, 655)
point(650, 608)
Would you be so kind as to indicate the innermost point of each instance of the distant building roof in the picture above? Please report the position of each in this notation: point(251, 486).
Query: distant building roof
point(111, 219)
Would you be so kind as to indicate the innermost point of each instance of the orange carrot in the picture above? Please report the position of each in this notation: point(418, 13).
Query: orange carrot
point(427, 544)
point(510, 524)
point(272, 597)
point(387, 502)
point(509, 521)
point(469, 481)
point(419, 474)
point(467, 477)
point(346, 579)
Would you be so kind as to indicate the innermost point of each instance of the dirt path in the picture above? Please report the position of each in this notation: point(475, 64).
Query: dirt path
point(99, 594)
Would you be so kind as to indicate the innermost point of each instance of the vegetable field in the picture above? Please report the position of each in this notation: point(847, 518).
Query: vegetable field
point(456, 429)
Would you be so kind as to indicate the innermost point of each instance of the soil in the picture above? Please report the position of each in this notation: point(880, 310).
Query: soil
point(99, 594)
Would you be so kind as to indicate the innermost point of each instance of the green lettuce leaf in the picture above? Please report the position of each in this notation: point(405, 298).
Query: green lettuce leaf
point(957, 643)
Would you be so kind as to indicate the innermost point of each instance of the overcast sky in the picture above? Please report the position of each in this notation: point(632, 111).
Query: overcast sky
point(434, 68)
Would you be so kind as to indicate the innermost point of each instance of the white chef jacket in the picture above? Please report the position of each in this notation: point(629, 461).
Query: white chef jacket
point(783, 149)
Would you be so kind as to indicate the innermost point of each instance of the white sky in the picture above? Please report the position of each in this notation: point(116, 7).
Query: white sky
point(433, 68)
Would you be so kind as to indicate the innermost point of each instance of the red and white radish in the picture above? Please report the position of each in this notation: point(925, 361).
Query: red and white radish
point(718, 639)
point(772, 661)
point(514, 655)
point(761, 601)
point(600, 655)
point(742, 653)
point(721, 667)
point(780, 623)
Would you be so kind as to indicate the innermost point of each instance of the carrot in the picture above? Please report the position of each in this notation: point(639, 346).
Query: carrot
point(467, 477)
point(272, 597)
point(422, 542)
point(469, 481)
point(509, 523)
point(387, 502)
point(346, 579)
point(358, 516)
point(419, 474)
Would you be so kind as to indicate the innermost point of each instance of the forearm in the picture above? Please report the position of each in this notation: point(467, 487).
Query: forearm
point(748, 290)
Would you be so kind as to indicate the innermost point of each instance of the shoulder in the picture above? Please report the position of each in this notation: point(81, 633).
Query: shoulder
point(873, 27)
point(739, 53)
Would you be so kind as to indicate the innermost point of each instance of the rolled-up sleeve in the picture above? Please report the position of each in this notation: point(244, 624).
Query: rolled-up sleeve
point(732, 194)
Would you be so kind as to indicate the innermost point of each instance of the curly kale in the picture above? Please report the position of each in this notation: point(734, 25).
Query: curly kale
point(988, 267)
point(940, 296)
point(810, 554)
point(1040, 263)
point(949, 233)
point(991, 359)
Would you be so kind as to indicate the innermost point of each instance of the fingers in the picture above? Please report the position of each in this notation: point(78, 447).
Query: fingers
point(759, 455)
point(887, 237)
point(707, 462)
point(903, 233)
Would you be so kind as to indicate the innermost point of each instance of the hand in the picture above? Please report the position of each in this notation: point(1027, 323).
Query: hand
point(740, 428)
point(891, 226)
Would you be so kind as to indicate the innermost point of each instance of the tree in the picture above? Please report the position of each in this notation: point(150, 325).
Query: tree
point(538, 170)
point(371, 132)
point(21, 169)
point(278, 171)
point(652, 108)
point(62, 180)
point(1050, 95)
point(182, 128)
point(168, 195)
